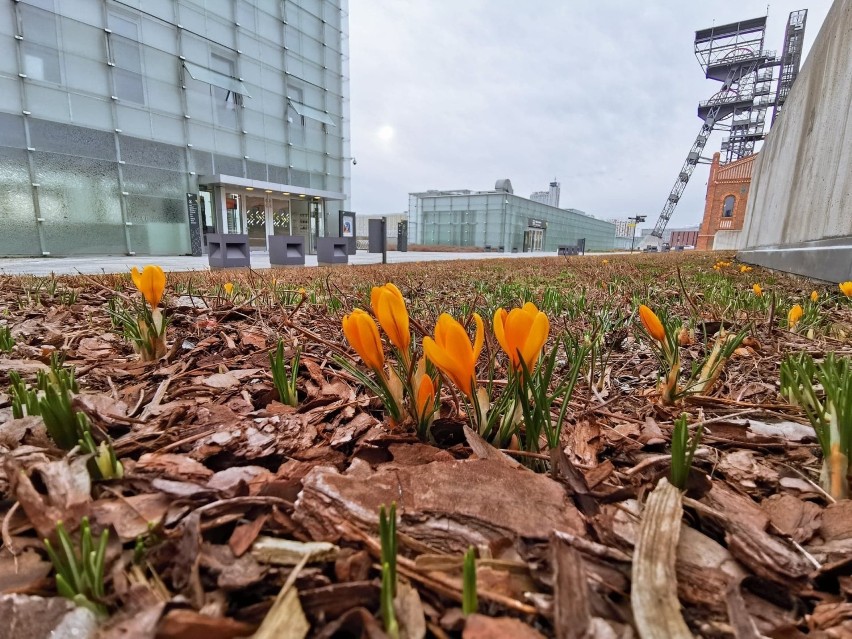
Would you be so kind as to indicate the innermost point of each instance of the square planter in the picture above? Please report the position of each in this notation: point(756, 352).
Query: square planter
point(226, 250)
point(332, 250)
point(286, 250)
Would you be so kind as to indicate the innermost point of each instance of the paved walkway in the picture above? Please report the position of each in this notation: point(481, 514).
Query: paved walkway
point(123, 263)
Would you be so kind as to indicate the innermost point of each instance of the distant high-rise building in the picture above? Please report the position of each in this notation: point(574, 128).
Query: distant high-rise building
point(549, 197)
point(623, 228)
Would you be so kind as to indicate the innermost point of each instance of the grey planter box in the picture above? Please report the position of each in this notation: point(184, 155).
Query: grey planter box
point(332, 250)
point(286, 250)
point(226, 250)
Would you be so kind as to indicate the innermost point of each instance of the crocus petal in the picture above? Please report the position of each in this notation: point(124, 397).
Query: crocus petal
point(518, 326)
point(478, 339)
point(137, 278)
point(652, 323)
point(446, 364)
point(425, 395)
point(452, 353)
point(500, 316)
point(152, 284)
point(535, 340)
point(393, 317)
point(363, 335)
point(794, 315)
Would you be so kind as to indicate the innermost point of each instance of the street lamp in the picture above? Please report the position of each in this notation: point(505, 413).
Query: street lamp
point(635, 220)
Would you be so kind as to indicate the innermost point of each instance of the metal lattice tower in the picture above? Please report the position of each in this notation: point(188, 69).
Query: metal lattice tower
point(733, 54)
point(791, 57)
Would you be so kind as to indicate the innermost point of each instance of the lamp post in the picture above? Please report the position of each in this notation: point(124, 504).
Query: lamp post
point(635, 220)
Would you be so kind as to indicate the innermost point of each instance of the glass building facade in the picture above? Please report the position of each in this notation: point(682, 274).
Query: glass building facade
point(500, 220)
point(114, 114)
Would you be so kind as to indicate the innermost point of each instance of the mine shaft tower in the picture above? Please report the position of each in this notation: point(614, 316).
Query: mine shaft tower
point(734, 55)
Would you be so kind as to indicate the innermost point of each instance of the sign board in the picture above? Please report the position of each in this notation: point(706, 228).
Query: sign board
point(536, 224)
point(347, 230)
point(194, 223)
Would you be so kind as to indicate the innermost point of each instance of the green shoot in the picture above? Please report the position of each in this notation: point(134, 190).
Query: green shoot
point(24, 399)
point(829, 410)
point(285, 383)
point(469, 601)
point(683, 450)
point(536, 398)
point(386, 599)
point(142, 326)
point(387, 535)
point(80, 572)
point(7, 342)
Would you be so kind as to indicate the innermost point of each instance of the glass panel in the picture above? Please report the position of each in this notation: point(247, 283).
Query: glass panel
point(232, 213)
point(146, 180)
point(222, 80)
point(41, 63)
point(12, 131)
point(129, 86)
point(159, 225)
point(203, 162)
point(256, 170)
point(18, 233)
point(79, 201)
point(154, 154)
point(39, 25)
point(278, 174)
point(311, 112)
point(90, 112)
point(10, 93)
point(229, 166)
point(300, 178)
point(126, 53)
point(281, 217)
point(245, 15)
point(300, 216)
point(256, 222)
point(71, 140)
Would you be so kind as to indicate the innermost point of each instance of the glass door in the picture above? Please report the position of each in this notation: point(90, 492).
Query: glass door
point(317, 223)
point(232, 212)
point(281, 217)
point(301, 223)
point(256, 222)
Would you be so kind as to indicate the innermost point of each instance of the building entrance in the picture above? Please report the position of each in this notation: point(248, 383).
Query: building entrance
point(533, 240)
point(281, 215)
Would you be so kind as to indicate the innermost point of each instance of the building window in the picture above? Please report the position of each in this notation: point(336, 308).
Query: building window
point(728, 207)
point(125, 55)
point(40, 47)
point(225, 100)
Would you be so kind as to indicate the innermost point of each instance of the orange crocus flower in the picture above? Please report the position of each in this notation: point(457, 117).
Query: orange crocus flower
point(794, 316)
point(389, 308)
point(652, 324)
point(757, 290)
point(151, 282)
point(453, 353)
point(363, 335)
point(814, 296)
point(425, 397)
point(521, 333)
point(846, 288)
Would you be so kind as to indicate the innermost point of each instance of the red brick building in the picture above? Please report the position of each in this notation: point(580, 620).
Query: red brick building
point(727, 194)
point(683, 238)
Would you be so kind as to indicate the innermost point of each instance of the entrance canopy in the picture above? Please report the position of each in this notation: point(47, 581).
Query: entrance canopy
point(241, 182)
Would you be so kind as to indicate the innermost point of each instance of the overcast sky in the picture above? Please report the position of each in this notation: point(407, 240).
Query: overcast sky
point(600, 94)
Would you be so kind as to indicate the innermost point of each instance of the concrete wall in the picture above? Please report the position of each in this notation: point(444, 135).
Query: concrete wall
point(801, 195)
